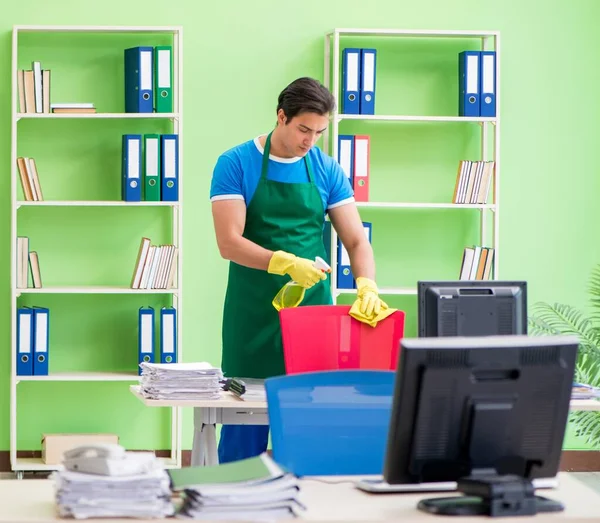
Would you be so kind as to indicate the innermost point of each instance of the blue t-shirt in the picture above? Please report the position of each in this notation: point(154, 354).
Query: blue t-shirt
point(238, 171)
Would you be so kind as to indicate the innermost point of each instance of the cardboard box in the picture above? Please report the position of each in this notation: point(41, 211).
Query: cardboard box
point(54, 445)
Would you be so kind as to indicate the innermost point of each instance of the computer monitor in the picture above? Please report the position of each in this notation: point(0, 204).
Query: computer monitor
point(483, 411)
point(472, 308)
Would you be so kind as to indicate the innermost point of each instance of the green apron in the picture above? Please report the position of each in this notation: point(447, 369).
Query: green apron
point(280, 216)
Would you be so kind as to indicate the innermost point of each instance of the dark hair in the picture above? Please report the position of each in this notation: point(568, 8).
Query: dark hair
point(305, 95)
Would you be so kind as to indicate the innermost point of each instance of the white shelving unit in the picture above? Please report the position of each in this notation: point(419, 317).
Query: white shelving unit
point(489, 40)
point(19, 465)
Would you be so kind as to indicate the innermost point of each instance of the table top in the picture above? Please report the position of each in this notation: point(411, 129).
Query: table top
point(228, 400)
point(327, 499)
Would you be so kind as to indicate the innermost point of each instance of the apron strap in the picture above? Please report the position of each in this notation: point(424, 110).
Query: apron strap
point(265, 161)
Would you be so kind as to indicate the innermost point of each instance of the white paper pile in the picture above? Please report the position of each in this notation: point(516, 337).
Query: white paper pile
point(582, 391)
point(180, 381)
point(142, 495)
point(253, 389)
point(255, 489)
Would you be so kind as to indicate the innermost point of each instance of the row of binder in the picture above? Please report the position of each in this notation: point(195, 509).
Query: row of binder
point(167, 344)
point(155, 167)
point(354, 156)
point(33, 325)
point(477, 83)
point(358, 80)
point(149, 79)
point(345, 278)
point(28, 262)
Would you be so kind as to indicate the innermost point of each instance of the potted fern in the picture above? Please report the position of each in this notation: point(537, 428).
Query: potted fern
point(558, 318)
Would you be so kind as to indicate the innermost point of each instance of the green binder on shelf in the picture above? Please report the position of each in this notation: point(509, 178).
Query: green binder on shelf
point(163, 79)
point(152, 167)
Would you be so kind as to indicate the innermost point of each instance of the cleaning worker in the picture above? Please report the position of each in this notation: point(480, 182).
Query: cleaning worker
point(269, 198)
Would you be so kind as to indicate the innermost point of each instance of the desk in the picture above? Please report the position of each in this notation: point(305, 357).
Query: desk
point(30, 500)
point(227, 410)
point(231, 410)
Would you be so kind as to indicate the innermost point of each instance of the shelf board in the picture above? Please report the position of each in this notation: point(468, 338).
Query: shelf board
point(83, 376)
point(410, 205)
point(96, 29)
point(99, 289)
point(414, 118)
point(427, 33)
point(20, 116)
point(384, 290)
point(93, 203)
point(36, 464)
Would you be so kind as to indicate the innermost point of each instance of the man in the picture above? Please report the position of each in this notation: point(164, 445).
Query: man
point(269, 198)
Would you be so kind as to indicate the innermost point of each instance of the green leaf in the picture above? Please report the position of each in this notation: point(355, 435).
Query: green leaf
point(564, 319)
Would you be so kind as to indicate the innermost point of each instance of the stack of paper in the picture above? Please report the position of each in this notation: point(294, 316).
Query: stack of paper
point(582, 391)
point(248, 389)
point(84, 495)
point(253, 489)
point(180, 381)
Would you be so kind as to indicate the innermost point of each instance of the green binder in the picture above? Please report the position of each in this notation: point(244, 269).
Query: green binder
point(163, 79)
point(249, 471)
point(152, 167)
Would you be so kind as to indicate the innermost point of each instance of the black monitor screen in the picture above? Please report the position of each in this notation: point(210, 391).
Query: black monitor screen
point(472, 308)
point(490, 404)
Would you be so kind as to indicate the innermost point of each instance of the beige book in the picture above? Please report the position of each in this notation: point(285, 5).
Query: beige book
point(36, 275)
point(35, 178)
point(171, 280)
point(24, 175)
point(46, 90)
point(139, 264)
point(21, 89)
point(29, 91)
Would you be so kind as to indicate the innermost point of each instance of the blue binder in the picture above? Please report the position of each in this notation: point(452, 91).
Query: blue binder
point(169, 167)
point(368, 67)
point(487, 84)
point(346, 155)
point(145, 336)
point(351, 81)
point(327, 241)
point(168, 335)
point(468, 83)
point(131, 170)
point(41, 331)
point(344, 270)
point(368, 228)
point(24, 346)
point(139, 97)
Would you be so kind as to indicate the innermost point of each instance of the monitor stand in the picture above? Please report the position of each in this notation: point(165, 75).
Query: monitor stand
point(494, 495)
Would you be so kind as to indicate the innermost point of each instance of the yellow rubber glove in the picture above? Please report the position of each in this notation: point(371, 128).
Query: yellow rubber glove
point(301, 270)
point(368, 306)
point(368, 293)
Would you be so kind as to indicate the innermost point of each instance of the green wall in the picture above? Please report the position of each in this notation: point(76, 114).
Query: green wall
point(237, 57)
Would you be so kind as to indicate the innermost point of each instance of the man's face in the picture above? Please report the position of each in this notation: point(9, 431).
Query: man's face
point(301, 132)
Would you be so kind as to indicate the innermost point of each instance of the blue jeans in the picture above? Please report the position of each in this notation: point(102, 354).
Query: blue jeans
point(242, 441)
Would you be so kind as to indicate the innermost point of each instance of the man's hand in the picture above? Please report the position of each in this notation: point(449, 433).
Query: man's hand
point(301, 270)
point(368, 295)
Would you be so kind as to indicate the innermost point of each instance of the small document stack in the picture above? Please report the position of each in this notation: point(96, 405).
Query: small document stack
point(253, 489)
point(103, 481)
point(248, 389)
point(583, 391)
point(180, 381)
